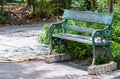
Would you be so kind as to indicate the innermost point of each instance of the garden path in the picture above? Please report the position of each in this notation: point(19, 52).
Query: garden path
point(21, 41)
point(21, 36)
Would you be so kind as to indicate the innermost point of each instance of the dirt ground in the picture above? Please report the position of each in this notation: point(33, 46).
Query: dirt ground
point(19, 14)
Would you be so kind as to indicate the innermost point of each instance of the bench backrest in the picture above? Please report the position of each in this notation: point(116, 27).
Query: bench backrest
point(88, 17)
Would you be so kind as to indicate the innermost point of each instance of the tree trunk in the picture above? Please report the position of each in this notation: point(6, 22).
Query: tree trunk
point(93, 5)
point(111, 6)
point(2, 3)
point(29, 2)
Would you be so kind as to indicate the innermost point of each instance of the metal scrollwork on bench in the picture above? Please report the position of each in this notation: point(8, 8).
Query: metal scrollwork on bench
point(100, 38)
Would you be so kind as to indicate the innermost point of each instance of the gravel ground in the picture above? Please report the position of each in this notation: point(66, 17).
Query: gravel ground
point(21, 36)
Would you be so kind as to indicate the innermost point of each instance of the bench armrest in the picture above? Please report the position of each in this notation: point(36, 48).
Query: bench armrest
point(55, 26)
point(101, 34)
point(58, 23)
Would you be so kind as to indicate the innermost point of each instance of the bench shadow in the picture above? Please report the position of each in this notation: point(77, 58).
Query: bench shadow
point(117, 77)
point(76, 65)
point(42, 70)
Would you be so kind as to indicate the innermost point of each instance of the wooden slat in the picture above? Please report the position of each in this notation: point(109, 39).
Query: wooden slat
point(78, 38)
point(79, 29)
point(88, 16)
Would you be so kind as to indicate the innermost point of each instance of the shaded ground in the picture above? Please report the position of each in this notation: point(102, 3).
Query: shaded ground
point(41, 70)
point(18, 36)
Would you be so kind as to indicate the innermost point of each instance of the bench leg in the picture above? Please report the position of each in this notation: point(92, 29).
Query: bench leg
point(98, 51)
point(109, 53)
point(55, 41)
point(104, 51)
point(52, 42)
point(59, 42)
point(101, 51)
point(50, 52)
point(94, 57)
point(65, 43)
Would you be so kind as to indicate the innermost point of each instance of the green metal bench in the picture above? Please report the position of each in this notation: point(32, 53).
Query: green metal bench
point(99, 39)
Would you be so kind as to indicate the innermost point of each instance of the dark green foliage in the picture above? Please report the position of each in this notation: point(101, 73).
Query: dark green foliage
point(81, 5)
point(45, 8)
point(116, 51)
point(78, 50)
point(42, 8)
point(101, 61)
point(61, 5)
point(44, 37)
point(1, 17)
point(116, 34)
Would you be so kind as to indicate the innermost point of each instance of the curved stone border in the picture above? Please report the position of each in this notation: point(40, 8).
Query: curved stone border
point(100, 69)
point(57, 58)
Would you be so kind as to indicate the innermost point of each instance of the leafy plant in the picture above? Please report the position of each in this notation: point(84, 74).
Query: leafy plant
point(116, 51)
point(42, 8)
point(81, 5)
point(61, 5)
point(44, 37)
point(1, 17)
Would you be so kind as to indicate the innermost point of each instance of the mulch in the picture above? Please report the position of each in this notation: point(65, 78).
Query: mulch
point(16, 14)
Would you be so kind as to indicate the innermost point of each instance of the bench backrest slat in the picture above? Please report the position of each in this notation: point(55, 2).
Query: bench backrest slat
point(79, 29)
point(88, 17)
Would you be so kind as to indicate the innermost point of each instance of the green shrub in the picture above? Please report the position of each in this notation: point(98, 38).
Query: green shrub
point(43, 8)
point(44, 37)
point(60, 5)
point(81, 5)
point(115, 47)
point(1, 18)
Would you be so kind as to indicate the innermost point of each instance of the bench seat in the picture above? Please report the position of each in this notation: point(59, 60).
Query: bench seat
point(73, 37)
point(79, 38)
